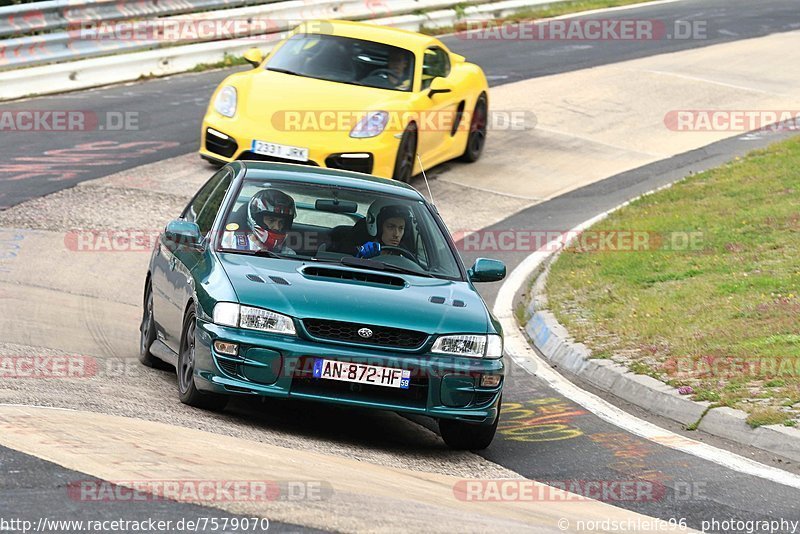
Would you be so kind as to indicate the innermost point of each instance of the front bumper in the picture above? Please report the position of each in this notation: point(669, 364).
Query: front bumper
point(281, 366)
point(333, 150)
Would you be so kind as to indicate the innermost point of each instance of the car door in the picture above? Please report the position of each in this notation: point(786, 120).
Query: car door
point(439, 112)
point(174, 281)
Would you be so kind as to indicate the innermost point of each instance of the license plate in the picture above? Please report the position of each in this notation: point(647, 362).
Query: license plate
point(362, 374)
point(295, 153)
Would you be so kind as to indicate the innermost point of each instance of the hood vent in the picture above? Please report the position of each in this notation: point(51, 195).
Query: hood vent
point(356, 276)
point(437, 300)
point(255, 278)
point(280, 281)
point(459, 304)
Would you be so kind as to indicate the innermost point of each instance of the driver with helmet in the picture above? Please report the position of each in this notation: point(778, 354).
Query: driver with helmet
point(390, 225)
point(270, 214)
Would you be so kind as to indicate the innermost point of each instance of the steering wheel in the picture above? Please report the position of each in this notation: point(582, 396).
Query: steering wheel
point(402, 252)
point(381, 72)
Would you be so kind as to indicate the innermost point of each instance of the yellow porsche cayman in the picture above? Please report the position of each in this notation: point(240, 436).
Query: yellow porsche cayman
point(352, 96)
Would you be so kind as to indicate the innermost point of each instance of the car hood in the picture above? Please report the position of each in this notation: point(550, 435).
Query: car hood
point(319, 290)
point(266, 96)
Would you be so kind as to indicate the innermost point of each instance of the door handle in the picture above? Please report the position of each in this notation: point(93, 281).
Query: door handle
point(172, 263)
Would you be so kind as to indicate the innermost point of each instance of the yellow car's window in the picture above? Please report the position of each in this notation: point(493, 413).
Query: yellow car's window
point(345, 60)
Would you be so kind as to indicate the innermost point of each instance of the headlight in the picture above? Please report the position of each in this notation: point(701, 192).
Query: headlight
point(225, 103)
point(371, 125)
point(472, 346)
point(231, 314)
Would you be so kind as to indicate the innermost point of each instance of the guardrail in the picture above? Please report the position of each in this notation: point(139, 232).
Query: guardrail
point(24, 19)
point(164, 58)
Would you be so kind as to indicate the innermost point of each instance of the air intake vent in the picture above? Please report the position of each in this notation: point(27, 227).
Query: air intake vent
point(255, 278)
point(459, 304)
point(437, 300)
point(356, 276)
point(279, 280)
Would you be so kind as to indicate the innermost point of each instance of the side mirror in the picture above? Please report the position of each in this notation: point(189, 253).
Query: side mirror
point(254, 57)
point(183, 233)
point(486, 270)
point(439, 86)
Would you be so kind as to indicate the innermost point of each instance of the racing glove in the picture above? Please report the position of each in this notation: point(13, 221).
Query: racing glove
point(369, 250)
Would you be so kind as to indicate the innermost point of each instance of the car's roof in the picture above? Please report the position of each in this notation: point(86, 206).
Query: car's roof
point(372, 32)
point(260, 170)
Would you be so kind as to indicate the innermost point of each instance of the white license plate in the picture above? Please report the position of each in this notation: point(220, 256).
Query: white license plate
point(295, 153)
point(362, 374)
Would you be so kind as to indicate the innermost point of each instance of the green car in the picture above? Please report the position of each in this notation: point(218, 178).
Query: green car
point(306, 283)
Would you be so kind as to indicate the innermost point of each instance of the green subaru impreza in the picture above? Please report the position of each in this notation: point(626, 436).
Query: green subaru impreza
point(298, 282)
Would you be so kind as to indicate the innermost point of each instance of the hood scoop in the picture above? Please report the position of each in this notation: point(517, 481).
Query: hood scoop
point(353, 276)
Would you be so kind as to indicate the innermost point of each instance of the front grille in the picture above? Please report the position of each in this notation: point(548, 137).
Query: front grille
point(224, 147)
point(303, 381)
point(252, 156)
point(381, 336)
point(362, 165)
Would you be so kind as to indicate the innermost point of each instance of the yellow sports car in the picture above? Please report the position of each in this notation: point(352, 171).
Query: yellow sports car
point(352, 96)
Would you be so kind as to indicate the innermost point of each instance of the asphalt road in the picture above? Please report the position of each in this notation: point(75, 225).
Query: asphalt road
point(543, 436)
point(32, 488)
point(168, 112)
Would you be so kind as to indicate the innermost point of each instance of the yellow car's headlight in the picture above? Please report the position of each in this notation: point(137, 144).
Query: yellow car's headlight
point(225, 103)
point(371, 125)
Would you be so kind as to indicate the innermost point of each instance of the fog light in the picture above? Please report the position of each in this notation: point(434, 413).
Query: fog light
point(226, 348)
point(490, 381)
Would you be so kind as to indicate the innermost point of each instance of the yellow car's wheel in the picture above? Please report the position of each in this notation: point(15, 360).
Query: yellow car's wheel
point(404, 164)
point(477, 131)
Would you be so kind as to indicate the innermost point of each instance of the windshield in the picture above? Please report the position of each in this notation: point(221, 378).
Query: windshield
point(331, 224)
point(345, 60)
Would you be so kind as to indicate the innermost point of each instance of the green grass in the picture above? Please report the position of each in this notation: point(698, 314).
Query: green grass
point(228, 61)
point(721, 316)
point(768, 416)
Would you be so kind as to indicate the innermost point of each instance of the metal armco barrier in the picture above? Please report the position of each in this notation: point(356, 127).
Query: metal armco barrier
point(24, 19)
point(93, 28)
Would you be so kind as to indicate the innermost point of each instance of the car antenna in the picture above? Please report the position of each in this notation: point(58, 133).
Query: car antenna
point(425, 176)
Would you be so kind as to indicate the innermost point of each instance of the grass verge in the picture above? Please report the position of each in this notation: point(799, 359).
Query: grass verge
point(710, 298)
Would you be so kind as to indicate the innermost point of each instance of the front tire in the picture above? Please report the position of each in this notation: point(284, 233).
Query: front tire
point(477, 131)
point(462, 436)
point(406, 154)
point(187, 391)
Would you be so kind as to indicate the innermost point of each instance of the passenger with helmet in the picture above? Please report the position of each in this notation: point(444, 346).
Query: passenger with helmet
point(270, 214)
point(387, 225)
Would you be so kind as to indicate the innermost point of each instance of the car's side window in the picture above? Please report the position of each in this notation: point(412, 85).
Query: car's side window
point(205, 205)
point(436, 64)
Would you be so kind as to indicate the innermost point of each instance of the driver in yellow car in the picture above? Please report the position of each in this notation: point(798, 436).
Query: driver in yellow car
point(398, 69)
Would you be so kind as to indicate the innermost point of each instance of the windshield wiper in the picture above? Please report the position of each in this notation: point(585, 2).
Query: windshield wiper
point(284, 71)
point(376, 265)
point(397, 269)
